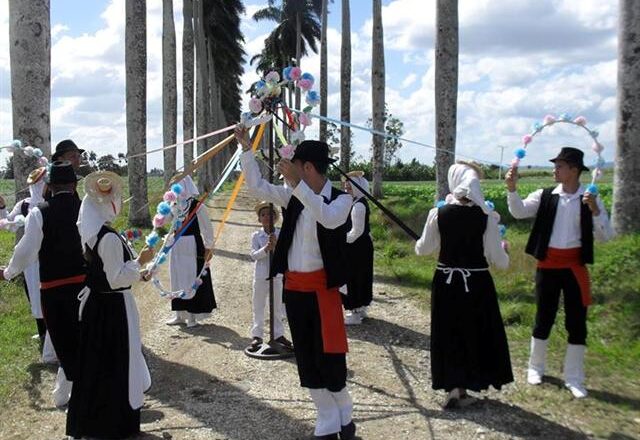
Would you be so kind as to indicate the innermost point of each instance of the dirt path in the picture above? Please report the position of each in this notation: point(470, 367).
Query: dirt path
point(204, 387)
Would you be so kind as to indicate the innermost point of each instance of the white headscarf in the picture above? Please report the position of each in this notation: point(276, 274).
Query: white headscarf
point(93, 215)
point(190, 189)
point(364, 183)
point(464, 183)
point(35, 191)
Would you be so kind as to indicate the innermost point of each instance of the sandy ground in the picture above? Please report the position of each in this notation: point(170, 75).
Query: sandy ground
point(205, 387)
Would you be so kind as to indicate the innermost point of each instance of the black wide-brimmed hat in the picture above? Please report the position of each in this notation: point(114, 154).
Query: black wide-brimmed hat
point(313, 151)
point(61, 172)
point(572, 156)
point(63, 147)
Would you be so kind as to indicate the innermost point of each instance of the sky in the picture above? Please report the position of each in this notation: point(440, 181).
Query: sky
point(519, 61)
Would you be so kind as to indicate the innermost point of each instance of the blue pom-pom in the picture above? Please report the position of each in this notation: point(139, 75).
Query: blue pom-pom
point(537, 126)
point(440, 203)
point(313, 98)
point(261, 85)
point(152, 239)
point(162, 258)
point(521, 153)
point(503, 229)
point(178, 224)
point(176, 189)
point(307, 76)
point(286, 73)
point(595, 133)
point(490, 204)
point(16, 143)
point(164, 208)
point(592, 189)
point(566, 117)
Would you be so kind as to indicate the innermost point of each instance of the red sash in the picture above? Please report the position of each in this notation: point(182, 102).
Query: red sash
point(62, 282)
point(570, 259)
point(334, 334)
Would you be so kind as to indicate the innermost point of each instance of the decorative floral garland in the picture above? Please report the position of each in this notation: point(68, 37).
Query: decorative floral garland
point(565, 118)
point(132, 234)
point(267, 99)
point(29, 151)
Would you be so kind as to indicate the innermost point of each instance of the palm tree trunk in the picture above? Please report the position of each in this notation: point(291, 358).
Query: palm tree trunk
point(202, 88)
point(378, 96)
point(169, 89)
point(136, 103)
point(187, 80)
point(214, 118)
point(446, 90)
point(298, 53)
point(30, 57)
point(626, 189)
point(323, 72)
point(345, 87)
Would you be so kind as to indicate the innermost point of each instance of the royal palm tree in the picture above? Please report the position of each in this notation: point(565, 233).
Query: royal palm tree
point(136, 103)
point(377, 97)
point(626, 189)
point(187, 79)
point(323, 69)
point(446, 90)
point(345, 87)
point(30, 58)
point(169, 89)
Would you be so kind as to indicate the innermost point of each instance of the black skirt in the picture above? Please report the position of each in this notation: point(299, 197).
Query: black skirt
point(99, 405)
point(360, 282)
point(468, 343)
point(204, 300)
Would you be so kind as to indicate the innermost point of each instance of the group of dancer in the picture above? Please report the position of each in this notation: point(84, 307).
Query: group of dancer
point(86, 271)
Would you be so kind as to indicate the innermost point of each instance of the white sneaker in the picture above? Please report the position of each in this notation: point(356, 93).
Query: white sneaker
point(537, 361)
point(62, 389)
point(578, 391)
point(352, 318)
point(533, 377)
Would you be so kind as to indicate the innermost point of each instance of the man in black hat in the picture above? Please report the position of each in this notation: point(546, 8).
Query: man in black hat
point(567, 218)
point(310, 254)
point(68, 150)
point(52, 237)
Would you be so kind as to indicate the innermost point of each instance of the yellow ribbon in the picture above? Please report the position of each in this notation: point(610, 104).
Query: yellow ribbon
point(238, 185)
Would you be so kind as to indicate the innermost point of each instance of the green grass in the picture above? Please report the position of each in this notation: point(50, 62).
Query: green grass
point(614, 319)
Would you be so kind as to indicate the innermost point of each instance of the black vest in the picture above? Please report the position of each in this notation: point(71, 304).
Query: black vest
point(96, 278)
point(60, 254)
point(24, 208)
point(543, 226)
point(462, 236)
point(194, 230)
point(332, 244)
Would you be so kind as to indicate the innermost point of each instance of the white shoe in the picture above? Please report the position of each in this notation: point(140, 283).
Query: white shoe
point(362, 311)
point(352, 318)
point(537, 360)
point(574, 370)
point(62, 390)
point(191, 322)
point(176, 320)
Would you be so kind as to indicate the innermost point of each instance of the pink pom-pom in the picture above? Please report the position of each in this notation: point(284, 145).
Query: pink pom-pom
point(304, 119)
point(287, 151)
point(255, 105)
point(549, 119)
point(295, 73)
point(597, 147)
point(505, 245)
point(198, 282)
point(42, 161)
point(526, 139)
point(272, 77)
point(305, 84)
point(515, 162)
point(158, 221)
point(580, 120)
point(169, 196)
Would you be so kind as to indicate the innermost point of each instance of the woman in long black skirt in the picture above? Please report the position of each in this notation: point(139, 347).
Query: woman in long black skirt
point(360, 253)
point(469, 348)
point(112, 374)
point(187, 257)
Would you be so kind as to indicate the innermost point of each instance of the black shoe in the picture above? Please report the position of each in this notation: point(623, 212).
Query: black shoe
point(284, 342)
point(255, 344)
point(348, 432)
point(326, 437)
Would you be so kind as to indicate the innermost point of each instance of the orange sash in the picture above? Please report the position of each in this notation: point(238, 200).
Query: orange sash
point(570, 259)
point(334, 334)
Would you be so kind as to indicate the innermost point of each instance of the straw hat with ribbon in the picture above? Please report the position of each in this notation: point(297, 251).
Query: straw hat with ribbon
point(36, 175)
